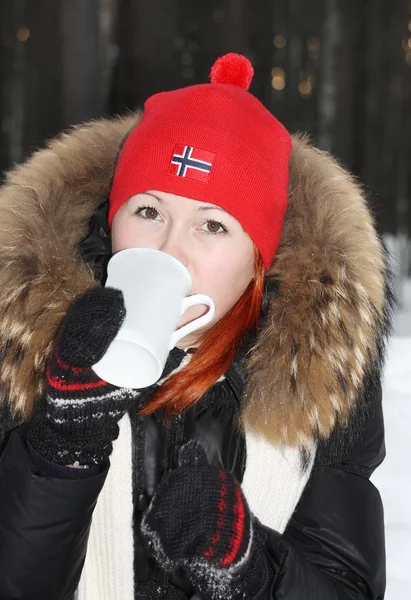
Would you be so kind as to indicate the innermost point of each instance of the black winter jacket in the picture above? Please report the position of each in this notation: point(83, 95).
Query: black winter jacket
point(326, 309)
point(333, 547)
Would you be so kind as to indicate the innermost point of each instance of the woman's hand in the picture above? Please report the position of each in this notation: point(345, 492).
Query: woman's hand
point(199, 519)
point(76, 421)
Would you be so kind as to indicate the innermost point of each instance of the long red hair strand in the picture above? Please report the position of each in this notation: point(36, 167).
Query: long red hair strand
point(215, 353)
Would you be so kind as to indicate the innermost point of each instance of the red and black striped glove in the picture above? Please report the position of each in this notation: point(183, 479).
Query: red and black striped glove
point(199, 520)
point(76, 421)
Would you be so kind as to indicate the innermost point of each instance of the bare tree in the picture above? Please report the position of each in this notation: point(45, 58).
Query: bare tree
point(13, 36)
point(81, 61)
point(260, 26)
point(147, 62)
point(328, 95)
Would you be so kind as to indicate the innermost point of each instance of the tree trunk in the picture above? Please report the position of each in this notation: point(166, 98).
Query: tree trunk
point(81, 61)
point(328, 94)
point(260, 22)
point(13, 40)
point(43, 65)
point(148, 62)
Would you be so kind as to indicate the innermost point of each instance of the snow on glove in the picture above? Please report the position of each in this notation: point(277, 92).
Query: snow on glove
point(199, 519)
point(76, 421)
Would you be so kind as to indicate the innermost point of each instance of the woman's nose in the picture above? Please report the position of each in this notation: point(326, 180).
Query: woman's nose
point(175, 248)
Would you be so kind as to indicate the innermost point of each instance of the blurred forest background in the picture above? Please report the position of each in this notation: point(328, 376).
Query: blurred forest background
point(339, 69)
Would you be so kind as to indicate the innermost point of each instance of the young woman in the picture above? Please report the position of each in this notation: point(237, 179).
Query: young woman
point(244, 471)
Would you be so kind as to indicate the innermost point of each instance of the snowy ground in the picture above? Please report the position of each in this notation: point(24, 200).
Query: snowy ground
point(393, 478)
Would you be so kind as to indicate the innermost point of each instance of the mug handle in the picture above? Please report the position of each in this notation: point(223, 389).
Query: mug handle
point(197, 323)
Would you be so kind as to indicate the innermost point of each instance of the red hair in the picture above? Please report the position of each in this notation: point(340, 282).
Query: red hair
point(215, 354)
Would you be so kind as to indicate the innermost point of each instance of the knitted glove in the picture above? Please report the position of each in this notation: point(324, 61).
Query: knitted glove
point(76, 421)
point(157, 591)
point(199, 519)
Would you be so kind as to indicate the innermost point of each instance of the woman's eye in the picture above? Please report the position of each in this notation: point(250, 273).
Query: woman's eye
point(214, 227)
point(151, 214)
point(147, 212)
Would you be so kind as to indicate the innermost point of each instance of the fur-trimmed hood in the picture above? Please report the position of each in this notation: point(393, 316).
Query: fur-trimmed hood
point(325, 323)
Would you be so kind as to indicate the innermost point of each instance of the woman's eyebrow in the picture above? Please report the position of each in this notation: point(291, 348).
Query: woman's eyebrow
point(157, 198)
point(206, 207)
point(201, 208)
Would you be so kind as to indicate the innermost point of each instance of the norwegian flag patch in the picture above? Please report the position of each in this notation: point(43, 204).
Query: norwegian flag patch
point(191, 162)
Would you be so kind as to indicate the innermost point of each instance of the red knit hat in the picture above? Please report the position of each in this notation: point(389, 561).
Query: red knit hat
point(216, 143)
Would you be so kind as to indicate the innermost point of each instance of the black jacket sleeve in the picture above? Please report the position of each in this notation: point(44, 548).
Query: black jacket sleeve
point(333, 547)
point(44, 527)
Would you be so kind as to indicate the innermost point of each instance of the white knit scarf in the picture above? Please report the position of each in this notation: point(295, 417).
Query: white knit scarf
point(273, 483)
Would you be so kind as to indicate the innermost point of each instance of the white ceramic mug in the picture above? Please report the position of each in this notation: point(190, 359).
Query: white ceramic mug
point(155, 287)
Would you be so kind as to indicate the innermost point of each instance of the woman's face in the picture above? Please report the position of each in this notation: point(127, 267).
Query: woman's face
point(210, 243)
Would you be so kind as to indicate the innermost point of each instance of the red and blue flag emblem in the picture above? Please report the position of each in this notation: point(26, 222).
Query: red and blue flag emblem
point(192, 163)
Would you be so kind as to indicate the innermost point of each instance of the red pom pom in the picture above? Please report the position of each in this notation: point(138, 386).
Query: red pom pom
point(232, 68)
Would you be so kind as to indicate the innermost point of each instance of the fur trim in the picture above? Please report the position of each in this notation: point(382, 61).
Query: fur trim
point(45, 209)
point(324, 328)
point(322, 332)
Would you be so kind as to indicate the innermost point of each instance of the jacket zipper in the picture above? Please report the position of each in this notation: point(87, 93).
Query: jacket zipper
point(174, 439)
point(138, 440)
